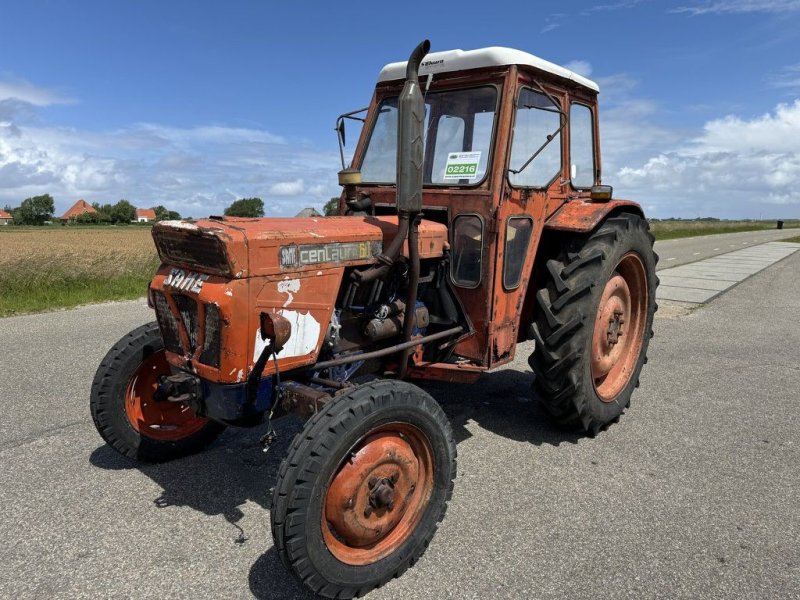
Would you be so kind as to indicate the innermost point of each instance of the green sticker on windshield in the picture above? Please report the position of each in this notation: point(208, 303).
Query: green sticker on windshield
point(462, 165)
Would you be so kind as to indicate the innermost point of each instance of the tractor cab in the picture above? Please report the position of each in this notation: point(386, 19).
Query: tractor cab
point(509, 139)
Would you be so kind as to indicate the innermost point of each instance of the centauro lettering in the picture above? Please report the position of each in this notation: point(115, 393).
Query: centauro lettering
point(181, 280)
point(312, 254)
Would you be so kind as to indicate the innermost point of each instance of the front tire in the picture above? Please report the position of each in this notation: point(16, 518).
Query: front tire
point(361, 491)
point(125, 413)
point(594, 322)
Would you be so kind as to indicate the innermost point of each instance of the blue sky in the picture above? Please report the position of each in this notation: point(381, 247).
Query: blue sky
point(192, 104)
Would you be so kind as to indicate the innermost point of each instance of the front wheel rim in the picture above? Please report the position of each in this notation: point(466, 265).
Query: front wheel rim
point(619, 327)
point(378, 495)
point(157, 419)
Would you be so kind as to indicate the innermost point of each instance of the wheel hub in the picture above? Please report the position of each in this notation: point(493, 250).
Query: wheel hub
point(615, 327)
point(381, 493)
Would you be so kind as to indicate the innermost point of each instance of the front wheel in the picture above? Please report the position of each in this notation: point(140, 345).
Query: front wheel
point(593, 323)
point(126, 414)
point(360, 493)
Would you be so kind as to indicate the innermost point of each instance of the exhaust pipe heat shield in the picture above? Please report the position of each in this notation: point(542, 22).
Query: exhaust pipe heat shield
point(410, 141)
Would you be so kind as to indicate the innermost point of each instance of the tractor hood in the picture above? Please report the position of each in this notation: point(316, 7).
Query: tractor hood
point(239, 247)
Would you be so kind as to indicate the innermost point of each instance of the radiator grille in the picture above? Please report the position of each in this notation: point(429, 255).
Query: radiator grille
point(167, 323)
point(187, 308)
point(190, 322)
point(211, 345)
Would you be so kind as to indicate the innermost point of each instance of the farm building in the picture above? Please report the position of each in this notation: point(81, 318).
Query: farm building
point(79, 208)
point(308, 212)
point(5, 218)
point(145, 215)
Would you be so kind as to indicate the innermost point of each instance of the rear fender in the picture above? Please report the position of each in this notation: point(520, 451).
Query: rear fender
point(578, 216)
point(581, 216)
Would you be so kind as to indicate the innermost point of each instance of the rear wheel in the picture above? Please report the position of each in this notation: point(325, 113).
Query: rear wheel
point(360, 493)
point(594, 322)
point(125, 412)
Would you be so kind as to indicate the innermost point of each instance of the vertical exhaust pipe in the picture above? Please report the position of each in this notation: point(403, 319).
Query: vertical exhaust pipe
point(410, 146)
point(410, 155)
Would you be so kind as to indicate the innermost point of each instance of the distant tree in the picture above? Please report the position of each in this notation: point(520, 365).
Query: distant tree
point(87, 218)
point(103, 212)
point(246, 207)
point(123, 212)
point(35, 210)
point(331, 207)
point(164, 214)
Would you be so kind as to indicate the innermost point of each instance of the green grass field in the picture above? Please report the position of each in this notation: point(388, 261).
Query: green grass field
point(43, 268)
point(673, 229)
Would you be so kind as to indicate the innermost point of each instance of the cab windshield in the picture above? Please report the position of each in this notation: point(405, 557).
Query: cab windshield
point(459, 127)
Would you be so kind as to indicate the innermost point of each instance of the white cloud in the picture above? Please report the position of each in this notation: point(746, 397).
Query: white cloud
point(552, 22)
point(628, 127)
point(740, 7)
point(735, 167)
point(788, 78)
point(581, 67)
point(288, 188)
point(192, 170)
point(24, 91)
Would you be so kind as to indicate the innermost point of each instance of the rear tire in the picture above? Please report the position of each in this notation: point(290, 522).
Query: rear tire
point(327, 531)
point(593, 323)
point(124, 412)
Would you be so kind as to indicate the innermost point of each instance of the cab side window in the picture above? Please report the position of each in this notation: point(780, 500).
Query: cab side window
point(467, 251)
point(581, 146)
point(537, 131)
point(518, 236)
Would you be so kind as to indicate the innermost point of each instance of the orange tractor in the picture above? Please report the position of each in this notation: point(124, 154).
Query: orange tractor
point(472, 218)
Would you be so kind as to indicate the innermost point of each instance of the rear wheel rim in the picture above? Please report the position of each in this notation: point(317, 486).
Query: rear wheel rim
point(378, 495)
point(159, 420)
point(619, 327)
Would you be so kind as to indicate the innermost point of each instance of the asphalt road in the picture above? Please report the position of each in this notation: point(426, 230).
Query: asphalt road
point(694, 493)
point(685, 250)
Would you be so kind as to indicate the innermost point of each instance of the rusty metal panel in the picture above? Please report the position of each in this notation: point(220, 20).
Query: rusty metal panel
point(305, 299)
point(432, 236)
point(584, 215)
point(454, 373)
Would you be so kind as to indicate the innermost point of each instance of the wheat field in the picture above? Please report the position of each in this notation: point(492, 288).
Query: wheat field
point(48, 267)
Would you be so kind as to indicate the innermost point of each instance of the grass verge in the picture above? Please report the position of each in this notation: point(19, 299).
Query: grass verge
point(47, 268)
point(674, 229)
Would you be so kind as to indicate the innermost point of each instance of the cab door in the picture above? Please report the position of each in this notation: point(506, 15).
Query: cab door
point(534, 178)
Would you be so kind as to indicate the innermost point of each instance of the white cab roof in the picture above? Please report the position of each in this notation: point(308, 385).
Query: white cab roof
point(461, 60)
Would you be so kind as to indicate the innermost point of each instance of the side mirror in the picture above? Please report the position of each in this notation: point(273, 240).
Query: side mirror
point(275, 328)
point(340, 131)
point(602, 193)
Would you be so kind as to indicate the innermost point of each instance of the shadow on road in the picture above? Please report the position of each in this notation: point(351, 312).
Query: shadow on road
point(235, 470)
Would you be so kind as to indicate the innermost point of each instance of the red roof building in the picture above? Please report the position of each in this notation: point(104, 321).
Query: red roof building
point(145, 215)
point(79, 208)
point(5, 218)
